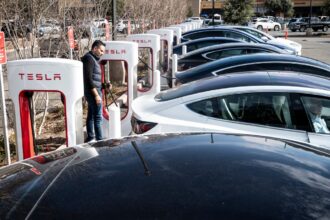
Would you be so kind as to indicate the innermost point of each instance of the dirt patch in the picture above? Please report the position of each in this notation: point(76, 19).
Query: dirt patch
point(53, 133)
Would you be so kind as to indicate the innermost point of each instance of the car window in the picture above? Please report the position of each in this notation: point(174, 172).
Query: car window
point(191, 47)
point(204, 34)
point(276, 66)
point(237, 36)
point(318, 112)
point(205, 44)
point(272, 109)
point(257, 51)
point(225, 53)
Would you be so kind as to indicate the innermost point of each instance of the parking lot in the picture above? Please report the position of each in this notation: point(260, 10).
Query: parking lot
point(316, 47)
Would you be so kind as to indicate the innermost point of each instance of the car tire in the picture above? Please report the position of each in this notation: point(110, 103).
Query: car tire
point(260, 28)
point(325, 28)
point(293, 30)
point(276, 28)
point(302, 28)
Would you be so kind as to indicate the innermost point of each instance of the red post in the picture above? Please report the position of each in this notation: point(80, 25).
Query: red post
point(286, 33)
point(129, 27)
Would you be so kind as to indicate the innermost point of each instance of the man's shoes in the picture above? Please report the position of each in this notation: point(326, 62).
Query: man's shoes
point(88, 140)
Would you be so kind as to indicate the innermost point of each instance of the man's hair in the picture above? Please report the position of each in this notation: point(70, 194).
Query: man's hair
point(97, 43)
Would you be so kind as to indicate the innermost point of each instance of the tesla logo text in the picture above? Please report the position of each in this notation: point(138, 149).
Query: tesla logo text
point(141, 41)
point(122, 51)
point(40, 76)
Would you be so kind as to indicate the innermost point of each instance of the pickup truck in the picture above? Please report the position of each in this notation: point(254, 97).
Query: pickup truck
point(302, 24)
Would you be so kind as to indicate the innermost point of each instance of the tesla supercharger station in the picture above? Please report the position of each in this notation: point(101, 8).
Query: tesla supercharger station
point(45, 75)
point(126, 52)
point(177, 32)
point(166, 37)
point(151, 42)
point(183, 27)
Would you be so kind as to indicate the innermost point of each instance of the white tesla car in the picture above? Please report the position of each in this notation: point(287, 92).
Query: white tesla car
point(275, 104)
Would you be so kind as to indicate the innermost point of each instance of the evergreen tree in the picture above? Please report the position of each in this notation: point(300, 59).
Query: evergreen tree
point(238, 11)
point(326, 8)
point(275, 7)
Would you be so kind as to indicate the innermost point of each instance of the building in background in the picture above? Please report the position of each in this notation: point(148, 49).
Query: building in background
point(301, 7)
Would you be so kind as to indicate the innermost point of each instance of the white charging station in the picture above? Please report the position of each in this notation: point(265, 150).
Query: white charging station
point(183, 27)
point(166, 36)
point(151, 42)
point(128, 53)
point(177, 32)
point(45, 75)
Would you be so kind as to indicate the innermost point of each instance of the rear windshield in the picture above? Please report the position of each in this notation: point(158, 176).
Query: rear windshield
point(178, 92)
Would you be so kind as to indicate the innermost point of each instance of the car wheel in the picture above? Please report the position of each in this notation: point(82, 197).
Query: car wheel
point(325, 28)
point(276, 28)
point(293, 30)
point(302, 28)
point(260, 27)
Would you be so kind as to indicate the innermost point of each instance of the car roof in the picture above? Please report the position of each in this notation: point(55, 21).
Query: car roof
point(229, 62)
point(221, 28)
point(170, 176)
point(207, 39)
point(244, 79)
point(233, 46)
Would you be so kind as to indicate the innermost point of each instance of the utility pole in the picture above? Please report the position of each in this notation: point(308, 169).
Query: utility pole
point(212, 12)
point(114, 21)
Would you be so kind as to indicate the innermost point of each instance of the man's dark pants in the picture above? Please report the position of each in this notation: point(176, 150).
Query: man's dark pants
point(94, 118)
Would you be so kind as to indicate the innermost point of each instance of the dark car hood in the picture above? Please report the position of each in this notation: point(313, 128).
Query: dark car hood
point(174, 176)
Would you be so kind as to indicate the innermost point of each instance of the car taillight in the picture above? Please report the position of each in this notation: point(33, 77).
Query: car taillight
point(140, 127)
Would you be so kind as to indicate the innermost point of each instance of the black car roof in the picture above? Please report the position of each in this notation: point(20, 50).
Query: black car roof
point(233, 46)
point(210, 39)
point(259, 78)
point(250, 59)
point(222, 28)
point(172, 176)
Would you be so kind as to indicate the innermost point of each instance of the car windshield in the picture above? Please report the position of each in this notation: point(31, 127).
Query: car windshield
point(259, 35)
point(178, 92)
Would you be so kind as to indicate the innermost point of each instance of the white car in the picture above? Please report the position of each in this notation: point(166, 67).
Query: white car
point(270, 39)
point(44, 29)
point(100, 23)
point(274, 104)
point(265, 24)
point(122, 26)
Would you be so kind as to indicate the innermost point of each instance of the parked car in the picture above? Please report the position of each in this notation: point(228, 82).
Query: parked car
point(202, 42)
point(265, 24)
point(196, 19)
point(216, 52)
point(271, 103)
point(229, 32)
point(122, 26)
point(303, 23)
point(100, 22)
point(254, 62)
point(47, 28)
point(270, 39)
point(171, 176)
point(212, 22)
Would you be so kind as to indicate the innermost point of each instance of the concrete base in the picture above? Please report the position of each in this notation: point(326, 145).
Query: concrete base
point(309, 32)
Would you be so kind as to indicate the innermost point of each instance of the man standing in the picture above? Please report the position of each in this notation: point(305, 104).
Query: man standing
point(93, 94)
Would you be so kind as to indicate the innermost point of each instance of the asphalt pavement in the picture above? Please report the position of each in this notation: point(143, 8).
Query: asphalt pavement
point(316, 46)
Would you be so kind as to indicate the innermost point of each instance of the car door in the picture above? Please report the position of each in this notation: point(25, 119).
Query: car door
point(261, 113)
point(320, 137)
